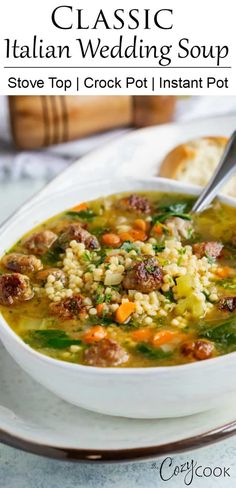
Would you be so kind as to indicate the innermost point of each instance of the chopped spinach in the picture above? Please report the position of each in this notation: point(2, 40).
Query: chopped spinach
point(100, 257)
point(105, 320)
point(169, 295)
point(102, 296)
point(88, 214)
point(210, 259)
point(99, 296)
point(228, 283)
point(152, 352)
point(99, 231)
point(52, 256)
point(107, 297)
point(224, 333)
point(51, 338)
point(158, 247)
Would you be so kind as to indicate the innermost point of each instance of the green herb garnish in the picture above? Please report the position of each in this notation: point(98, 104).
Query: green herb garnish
point(128, 246)
point(87, 256)
point(178, 209)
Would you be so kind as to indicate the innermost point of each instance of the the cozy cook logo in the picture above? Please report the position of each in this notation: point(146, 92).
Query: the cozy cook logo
point(189, 471)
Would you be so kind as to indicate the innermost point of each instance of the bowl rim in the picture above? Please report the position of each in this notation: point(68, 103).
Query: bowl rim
point(175, 187)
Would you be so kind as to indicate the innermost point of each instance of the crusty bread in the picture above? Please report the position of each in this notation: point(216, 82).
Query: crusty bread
point(195, 161)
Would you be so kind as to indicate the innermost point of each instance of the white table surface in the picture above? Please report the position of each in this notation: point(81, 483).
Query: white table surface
point(23, 470)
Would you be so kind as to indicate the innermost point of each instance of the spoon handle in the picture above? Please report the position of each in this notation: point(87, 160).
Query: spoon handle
point(224, 170)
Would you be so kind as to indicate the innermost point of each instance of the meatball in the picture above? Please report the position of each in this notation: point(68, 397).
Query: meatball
point(40, 242)
point(136, 203)
point(228, 304)
point(211, 249)
point(145, 276)
point(105, 353)
point(68, 308)
point(22, 263)
point(200, 349)
point(15, 288)
point(43, 275)
point(77, 233)
point(179, 227)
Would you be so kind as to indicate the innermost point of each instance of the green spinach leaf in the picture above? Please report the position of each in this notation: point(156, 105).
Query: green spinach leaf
point(224, 333)
point(82, 214)
point(152, 352)
point(51, 338)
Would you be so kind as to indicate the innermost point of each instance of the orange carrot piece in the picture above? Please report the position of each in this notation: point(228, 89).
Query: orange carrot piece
point(163, 337)
point(142, 335)
point(95, 334)
point(224, 272)
point(133, 235)
point(99, 309)
point(81, 206)
point(140, 224)
point(124, 311)
point(111, 240)
point(158, 229)
point(126, 236)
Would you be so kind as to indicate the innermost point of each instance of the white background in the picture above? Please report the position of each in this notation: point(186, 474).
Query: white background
point(204, 22)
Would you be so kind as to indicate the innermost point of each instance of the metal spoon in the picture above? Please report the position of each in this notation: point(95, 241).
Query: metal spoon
point(224, 170)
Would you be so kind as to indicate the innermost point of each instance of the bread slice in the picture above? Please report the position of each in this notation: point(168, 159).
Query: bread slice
point(195, 161)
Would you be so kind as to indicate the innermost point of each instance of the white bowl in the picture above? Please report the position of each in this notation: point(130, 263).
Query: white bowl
point(155, 392)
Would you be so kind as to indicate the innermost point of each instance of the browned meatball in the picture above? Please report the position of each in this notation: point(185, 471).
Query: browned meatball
point(77, 233)
point(200, 349)
point(179, 227)
point(105, 353)
point(228, 304)
point(22, 263)
point(136, 203)
point(211, 249)
point(40, 242)
point(68, 308)
point(14, 288)
point(145, 276)
point(42, 275)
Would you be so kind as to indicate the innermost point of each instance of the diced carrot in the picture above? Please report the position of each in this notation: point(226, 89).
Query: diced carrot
point(141, 224)
point(81, 206)
point(158, 229)
point(95, 334)
point(99, 309)
point(133, 235)
point(126, 236)
point(163, 337)
point(111, 240)
point(142, 335)
point(124, 311)
point(224, 272)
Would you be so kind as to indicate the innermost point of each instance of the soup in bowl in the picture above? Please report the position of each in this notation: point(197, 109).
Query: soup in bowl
point(123, 288)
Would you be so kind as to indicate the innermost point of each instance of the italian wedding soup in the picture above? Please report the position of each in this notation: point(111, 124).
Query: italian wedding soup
point(129, 280)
